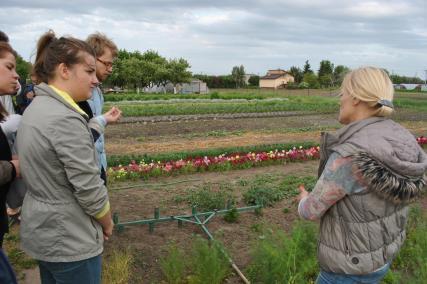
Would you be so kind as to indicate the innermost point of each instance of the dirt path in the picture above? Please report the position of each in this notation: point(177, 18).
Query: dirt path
point(164, 137)
point(132, 146)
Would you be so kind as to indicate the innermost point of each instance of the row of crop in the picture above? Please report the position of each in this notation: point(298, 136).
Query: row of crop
point(218, 160)
point(192, 101)
point(293, 104)
point(222, 162)
point(210, 96)
point(116, 160)
point(415, 104)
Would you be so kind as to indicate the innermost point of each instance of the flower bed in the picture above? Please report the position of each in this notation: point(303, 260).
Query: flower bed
point(221, 162)
point(422, 140)
point(216, 163)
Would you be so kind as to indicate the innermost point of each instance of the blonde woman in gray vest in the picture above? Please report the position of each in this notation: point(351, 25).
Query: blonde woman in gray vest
point(370, 170)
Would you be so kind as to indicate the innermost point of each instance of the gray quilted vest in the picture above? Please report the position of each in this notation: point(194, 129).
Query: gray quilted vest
point(364, 231)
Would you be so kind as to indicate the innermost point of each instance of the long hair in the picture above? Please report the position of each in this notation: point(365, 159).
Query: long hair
point(5, 48)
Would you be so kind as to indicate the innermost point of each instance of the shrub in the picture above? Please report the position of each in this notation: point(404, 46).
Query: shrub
point(265, 191)
point(205, 263)
point(278, 257)
point(259, 195)
point(208, 263)
point(231, 216)
point(173, 266)
point(214, 95)
point(208, 197)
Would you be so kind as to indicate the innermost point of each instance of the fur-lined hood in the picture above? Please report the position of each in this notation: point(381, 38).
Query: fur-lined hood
point(386, 183)
point(387, 155)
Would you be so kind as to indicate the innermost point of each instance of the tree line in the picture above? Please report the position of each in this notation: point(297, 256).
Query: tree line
point(135, 70)
point(148, 69)
point(327, 76)
point(138, 70)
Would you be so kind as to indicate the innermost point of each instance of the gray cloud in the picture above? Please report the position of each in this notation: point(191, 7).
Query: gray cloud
point(215, 35)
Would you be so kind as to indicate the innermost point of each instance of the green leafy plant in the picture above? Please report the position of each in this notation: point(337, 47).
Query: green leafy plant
point(410, 265)
point(208, 263)
point(278, 257)
point(231, 216)
point(266, 190)
point(173, 266)
point(259, 195)
point(208, 198)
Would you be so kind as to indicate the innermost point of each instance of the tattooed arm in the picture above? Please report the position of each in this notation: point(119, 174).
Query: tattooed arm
point(338, 179)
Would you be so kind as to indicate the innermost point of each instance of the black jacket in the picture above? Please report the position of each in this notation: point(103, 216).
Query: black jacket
point(5, 155)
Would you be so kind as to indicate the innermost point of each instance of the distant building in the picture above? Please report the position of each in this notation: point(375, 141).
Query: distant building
point(194, 86)
point(276, 79)
point(418, 87)
point(168, 88)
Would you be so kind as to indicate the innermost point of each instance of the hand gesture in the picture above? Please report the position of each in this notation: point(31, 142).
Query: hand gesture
point(113, 115)
point(302, 192)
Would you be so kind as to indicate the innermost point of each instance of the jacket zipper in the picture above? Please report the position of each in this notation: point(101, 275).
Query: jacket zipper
point(323, 152)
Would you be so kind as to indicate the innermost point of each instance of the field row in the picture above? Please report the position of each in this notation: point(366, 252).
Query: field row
point(320, 104)
point(247, 94)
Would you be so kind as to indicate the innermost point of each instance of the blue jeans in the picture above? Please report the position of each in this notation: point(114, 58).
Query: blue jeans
point(87, 271)
point(371, 278)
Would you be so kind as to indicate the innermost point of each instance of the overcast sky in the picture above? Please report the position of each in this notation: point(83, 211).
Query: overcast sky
point(216, 35)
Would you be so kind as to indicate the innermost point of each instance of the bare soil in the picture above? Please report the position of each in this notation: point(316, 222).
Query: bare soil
point(237, 238)
point(139, 202)
point(176, 136)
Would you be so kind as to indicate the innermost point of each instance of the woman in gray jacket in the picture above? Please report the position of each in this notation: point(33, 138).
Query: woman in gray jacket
point(369, 171)
point(66, 212)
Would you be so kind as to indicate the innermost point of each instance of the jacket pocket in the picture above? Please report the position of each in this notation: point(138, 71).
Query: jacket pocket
point(96, 229)
point(346, 241)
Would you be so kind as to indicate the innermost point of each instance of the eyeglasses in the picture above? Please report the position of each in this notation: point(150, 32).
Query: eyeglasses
point(106, 63)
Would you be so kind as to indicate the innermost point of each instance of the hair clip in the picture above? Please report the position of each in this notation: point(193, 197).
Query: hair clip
point(386, 103)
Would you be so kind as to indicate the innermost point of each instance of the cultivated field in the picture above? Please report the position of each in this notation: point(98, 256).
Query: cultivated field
point(269, 246)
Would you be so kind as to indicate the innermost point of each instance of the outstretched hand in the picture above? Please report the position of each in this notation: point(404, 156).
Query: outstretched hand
point(113, 115)
point(302, 192)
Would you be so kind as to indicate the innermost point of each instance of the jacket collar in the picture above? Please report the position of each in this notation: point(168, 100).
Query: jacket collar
point(44, 89)
point(349, 130)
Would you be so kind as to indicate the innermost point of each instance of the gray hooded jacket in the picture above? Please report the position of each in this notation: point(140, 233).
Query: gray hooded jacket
point(364, 231)
point(65, 191)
